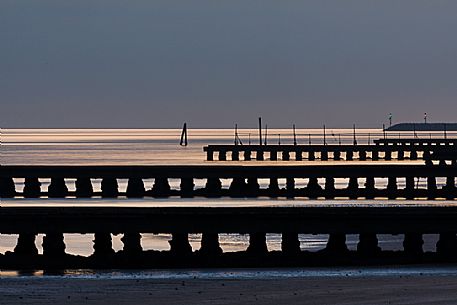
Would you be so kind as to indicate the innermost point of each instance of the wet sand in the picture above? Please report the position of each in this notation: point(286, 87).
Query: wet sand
point(410, 289)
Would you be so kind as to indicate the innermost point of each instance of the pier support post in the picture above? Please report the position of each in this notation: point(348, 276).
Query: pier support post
point(84, 188)
point(368, 244)
point(7, 188)
point(257, 244)
point(388, 155)
point(370, 189)
point(401, 155)
point(362, 155)
point(161, 187)
point(109, 187)
point(209, 155)
point(336, 243)
point(222, 155)
point(210, 244)
point(450, 189)
point(259, 155)
point(329, 188)
point(132, 243)
point(412, 244)
point(252, 187)
point(285, 155)
point(298, 155)
point(324, 155)
point(337, 155)
point(235, 155)
point(375, 155)
point(392, 190)
point(25, 245)
point(247, 155)
point(349, 155)
point(431, 187)
point(409, 188)
point(290, 244)
point(237, 187)
point(413, 155)
point(353, 188)
point(447, 245)
point(135, 188)
point(103, 245)
point(290, 187)
point(213, 187)
point(57, 188)
point(32, 187)
point(313, 189)
point(311, 156)
point(273, 187)
point(273, 155)
point(179, 244)
point(187, 187)
point(53, 245)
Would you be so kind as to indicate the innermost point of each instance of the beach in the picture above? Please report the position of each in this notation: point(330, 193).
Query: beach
point(398, 289)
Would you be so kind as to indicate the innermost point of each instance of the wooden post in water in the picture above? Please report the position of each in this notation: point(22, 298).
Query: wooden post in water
point(266, 134)
point(355, 139)
point(325, 140)
point(236, 134)
point(260, 131)
point(295, 136)
point(183, 141)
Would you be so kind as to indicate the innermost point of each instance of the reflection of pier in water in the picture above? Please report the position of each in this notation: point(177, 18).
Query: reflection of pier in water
point(383, 149)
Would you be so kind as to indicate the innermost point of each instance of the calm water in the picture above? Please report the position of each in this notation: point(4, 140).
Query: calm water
point(160, 146)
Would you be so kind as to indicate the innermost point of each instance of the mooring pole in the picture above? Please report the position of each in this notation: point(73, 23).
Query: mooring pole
point(325, 140)
point(236, 134)
point(266, 134)
point(384, 130)
point(295, 136)
point(260, 131)
point(355, 139)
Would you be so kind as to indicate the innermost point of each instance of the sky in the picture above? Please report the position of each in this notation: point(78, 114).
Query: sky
point(153, 64)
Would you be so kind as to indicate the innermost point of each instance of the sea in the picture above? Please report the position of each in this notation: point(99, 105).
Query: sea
point(162, 147)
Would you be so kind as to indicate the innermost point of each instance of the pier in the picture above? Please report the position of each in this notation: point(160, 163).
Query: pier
point(364, 217)
point(336, 221)
point(363, 181)
point(383, 150)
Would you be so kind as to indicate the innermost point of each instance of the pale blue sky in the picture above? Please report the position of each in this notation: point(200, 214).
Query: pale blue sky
point(112, 63)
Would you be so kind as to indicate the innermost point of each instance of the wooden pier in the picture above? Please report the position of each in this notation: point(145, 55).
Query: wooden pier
point(402, 181)
point(367, 220)
point(412, 221)
point(382, 151)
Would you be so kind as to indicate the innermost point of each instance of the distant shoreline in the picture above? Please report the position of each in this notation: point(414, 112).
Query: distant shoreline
point(423, 127)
